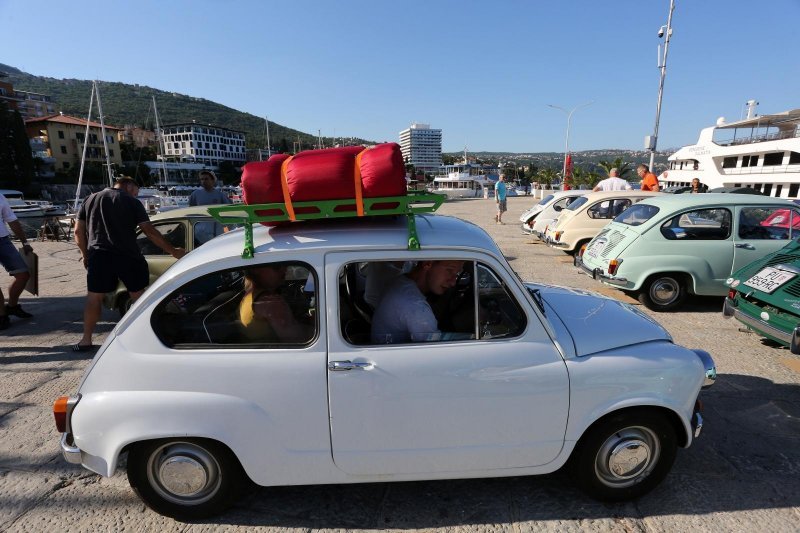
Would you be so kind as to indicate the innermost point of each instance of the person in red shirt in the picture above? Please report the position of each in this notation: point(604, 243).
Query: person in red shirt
point(649, 180)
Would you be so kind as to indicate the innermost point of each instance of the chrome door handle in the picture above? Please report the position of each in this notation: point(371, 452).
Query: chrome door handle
point(745, 245)
point(342, 366)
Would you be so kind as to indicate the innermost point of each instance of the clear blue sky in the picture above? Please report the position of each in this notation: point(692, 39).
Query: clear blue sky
point(481, 71)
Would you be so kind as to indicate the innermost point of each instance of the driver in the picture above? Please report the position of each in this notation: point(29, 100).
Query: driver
point(404, 315)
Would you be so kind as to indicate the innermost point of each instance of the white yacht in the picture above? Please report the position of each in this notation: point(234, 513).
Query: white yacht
point(19, 206)
point(761, 152)
point(465, 180)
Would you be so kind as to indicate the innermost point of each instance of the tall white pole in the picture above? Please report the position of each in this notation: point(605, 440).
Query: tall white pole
point(566, 142)
point(103, 133)
point(83, 155)
point(663, 67)
point(269, 149)
point(161, 147)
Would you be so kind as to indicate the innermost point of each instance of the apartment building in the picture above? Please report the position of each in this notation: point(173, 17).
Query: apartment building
point(61, 137)
point(422, 147)
point(209, 145)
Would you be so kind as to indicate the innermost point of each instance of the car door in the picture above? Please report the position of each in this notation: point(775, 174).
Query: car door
point(761, 230)
point(498, 399)
point(158, 261)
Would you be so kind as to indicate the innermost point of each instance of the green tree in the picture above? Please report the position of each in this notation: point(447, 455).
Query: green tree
point(546, 176)
point(623, 167)
point(16, 160)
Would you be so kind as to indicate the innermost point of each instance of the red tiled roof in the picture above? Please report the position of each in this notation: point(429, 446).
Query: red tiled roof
point(66, 119)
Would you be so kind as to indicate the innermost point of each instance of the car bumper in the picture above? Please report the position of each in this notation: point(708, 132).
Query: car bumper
point(790, 338)
point(598, 274)
point(71, 453)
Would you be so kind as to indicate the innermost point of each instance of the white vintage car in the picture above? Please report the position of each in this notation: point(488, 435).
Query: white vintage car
point(522, 379)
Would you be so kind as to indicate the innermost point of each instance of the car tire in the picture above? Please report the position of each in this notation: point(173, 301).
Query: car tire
point(123, 303)
point(185, 479)
point(663, 292)
point(625, 456)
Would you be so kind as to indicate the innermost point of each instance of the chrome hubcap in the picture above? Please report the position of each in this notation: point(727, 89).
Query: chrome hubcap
point(664, 291)
point(627, 457)
point(184, 473)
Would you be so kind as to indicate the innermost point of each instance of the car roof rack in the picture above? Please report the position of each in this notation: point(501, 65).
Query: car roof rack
point(413, 203)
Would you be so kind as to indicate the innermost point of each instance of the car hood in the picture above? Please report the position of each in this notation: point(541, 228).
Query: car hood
point(597, 323)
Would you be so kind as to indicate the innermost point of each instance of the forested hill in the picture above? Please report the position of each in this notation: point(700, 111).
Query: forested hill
point(130, 104)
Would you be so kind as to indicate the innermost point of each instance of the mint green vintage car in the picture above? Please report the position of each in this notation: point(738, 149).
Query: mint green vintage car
point(664, 248)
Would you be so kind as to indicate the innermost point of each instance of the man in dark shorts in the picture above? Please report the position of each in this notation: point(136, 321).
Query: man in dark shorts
point(106, 235)
point(13, 263)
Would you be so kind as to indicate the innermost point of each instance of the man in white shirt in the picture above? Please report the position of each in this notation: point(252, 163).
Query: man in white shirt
point(612, 183)
point(13, 263)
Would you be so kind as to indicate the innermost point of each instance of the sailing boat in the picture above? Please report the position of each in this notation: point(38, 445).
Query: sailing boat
point(109, 169)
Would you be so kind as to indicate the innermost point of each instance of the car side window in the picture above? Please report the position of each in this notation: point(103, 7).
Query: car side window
point(270, 305)
point(205, 230)
point(400, 302)
point(609, 208)
point(173, 232)
point(700, 224)
point(779, 223)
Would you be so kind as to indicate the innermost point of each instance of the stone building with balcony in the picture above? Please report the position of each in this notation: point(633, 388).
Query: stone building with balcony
point(58, 140)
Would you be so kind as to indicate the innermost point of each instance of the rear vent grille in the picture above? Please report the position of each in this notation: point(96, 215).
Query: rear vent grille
point(782, 258)
point(793, 288)
point(614, 238)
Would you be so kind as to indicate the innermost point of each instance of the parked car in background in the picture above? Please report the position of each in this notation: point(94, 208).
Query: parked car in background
point(523, 379)
point(765, 295)
point(185, 227)
point(546, 211)
point(665, 248)
point(581, 220)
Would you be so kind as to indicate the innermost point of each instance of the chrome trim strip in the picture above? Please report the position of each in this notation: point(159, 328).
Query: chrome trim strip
point(763, 326)
point(71, 453)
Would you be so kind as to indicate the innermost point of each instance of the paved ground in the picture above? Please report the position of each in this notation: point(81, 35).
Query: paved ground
point(742, 475)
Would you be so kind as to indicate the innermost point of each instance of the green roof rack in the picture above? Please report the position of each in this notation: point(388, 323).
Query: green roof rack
point(414, 202)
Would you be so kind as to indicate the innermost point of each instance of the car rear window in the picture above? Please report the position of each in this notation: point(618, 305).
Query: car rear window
point(546, 199)
point(573, 206)
point(637, 215)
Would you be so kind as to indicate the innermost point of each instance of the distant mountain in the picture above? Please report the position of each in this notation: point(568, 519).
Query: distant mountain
point(587, 159)
point(129, 104)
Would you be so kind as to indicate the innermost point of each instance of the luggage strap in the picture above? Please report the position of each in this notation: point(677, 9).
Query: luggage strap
point(357, 179)
point(287, 200)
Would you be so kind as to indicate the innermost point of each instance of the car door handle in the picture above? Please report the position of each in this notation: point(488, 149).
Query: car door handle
point(745, 245)
point(342, 366)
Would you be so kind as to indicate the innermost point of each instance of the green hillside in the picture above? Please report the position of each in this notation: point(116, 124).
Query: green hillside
point(129, 104)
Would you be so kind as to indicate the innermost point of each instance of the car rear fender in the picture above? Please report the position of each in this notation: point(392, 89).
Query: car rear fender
point(104, 423)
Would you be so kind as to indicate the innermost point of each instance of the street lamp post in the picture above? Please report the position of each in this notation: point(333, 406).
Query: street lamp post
point(566, 142)
point(666, 33)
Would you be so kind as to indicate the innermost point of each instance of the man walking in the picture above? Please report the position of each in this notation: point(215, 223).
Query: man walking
point(500, 198)
point(209, 194)
point(649, 180)
point(612, 183)
point(106, 235)
point(13, 263)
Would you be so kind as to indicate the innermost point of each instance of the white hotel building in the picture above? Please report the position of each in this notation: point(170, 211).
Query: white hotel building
point(422, 147)
point(208, 145)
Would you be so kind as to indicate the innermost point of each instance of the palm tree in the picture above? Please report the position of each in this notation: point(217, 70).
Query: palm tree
point(623, 167)
point(546, 175)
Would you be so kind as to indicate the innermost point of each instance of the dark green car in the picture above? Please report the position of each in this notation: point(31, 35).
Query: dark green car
point(765, 296)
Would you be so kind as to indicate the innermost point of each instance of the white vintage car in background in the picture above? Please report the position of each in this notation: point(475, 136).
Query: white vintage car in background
point(536, 219)
point(524, 378)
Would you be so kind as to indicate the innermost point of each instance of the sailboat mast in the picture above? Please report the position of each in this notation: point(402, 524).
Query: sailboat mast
point(103, 133)
point(83, 155)
point(269, 149)
point(159, 140)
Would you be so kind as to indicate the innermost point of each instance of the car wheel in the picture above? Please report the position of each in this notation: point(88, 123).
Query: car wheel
point(625, 456)
point(663, 292)
point(186, 479)
point(123, 303)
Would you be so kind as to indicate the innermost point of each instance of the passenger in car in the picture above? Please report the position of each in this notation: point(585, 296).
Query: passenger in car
point(264, 313)
point(404, 315)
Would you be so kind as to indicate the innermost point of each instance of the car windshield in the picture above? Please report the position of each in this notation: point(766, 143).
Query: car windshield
point(546, 199)
point(637, 214)
point(577, 203)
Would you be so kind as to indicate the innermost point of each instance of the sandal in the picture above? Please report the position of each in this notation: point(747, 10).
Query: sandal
point(83, 348)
